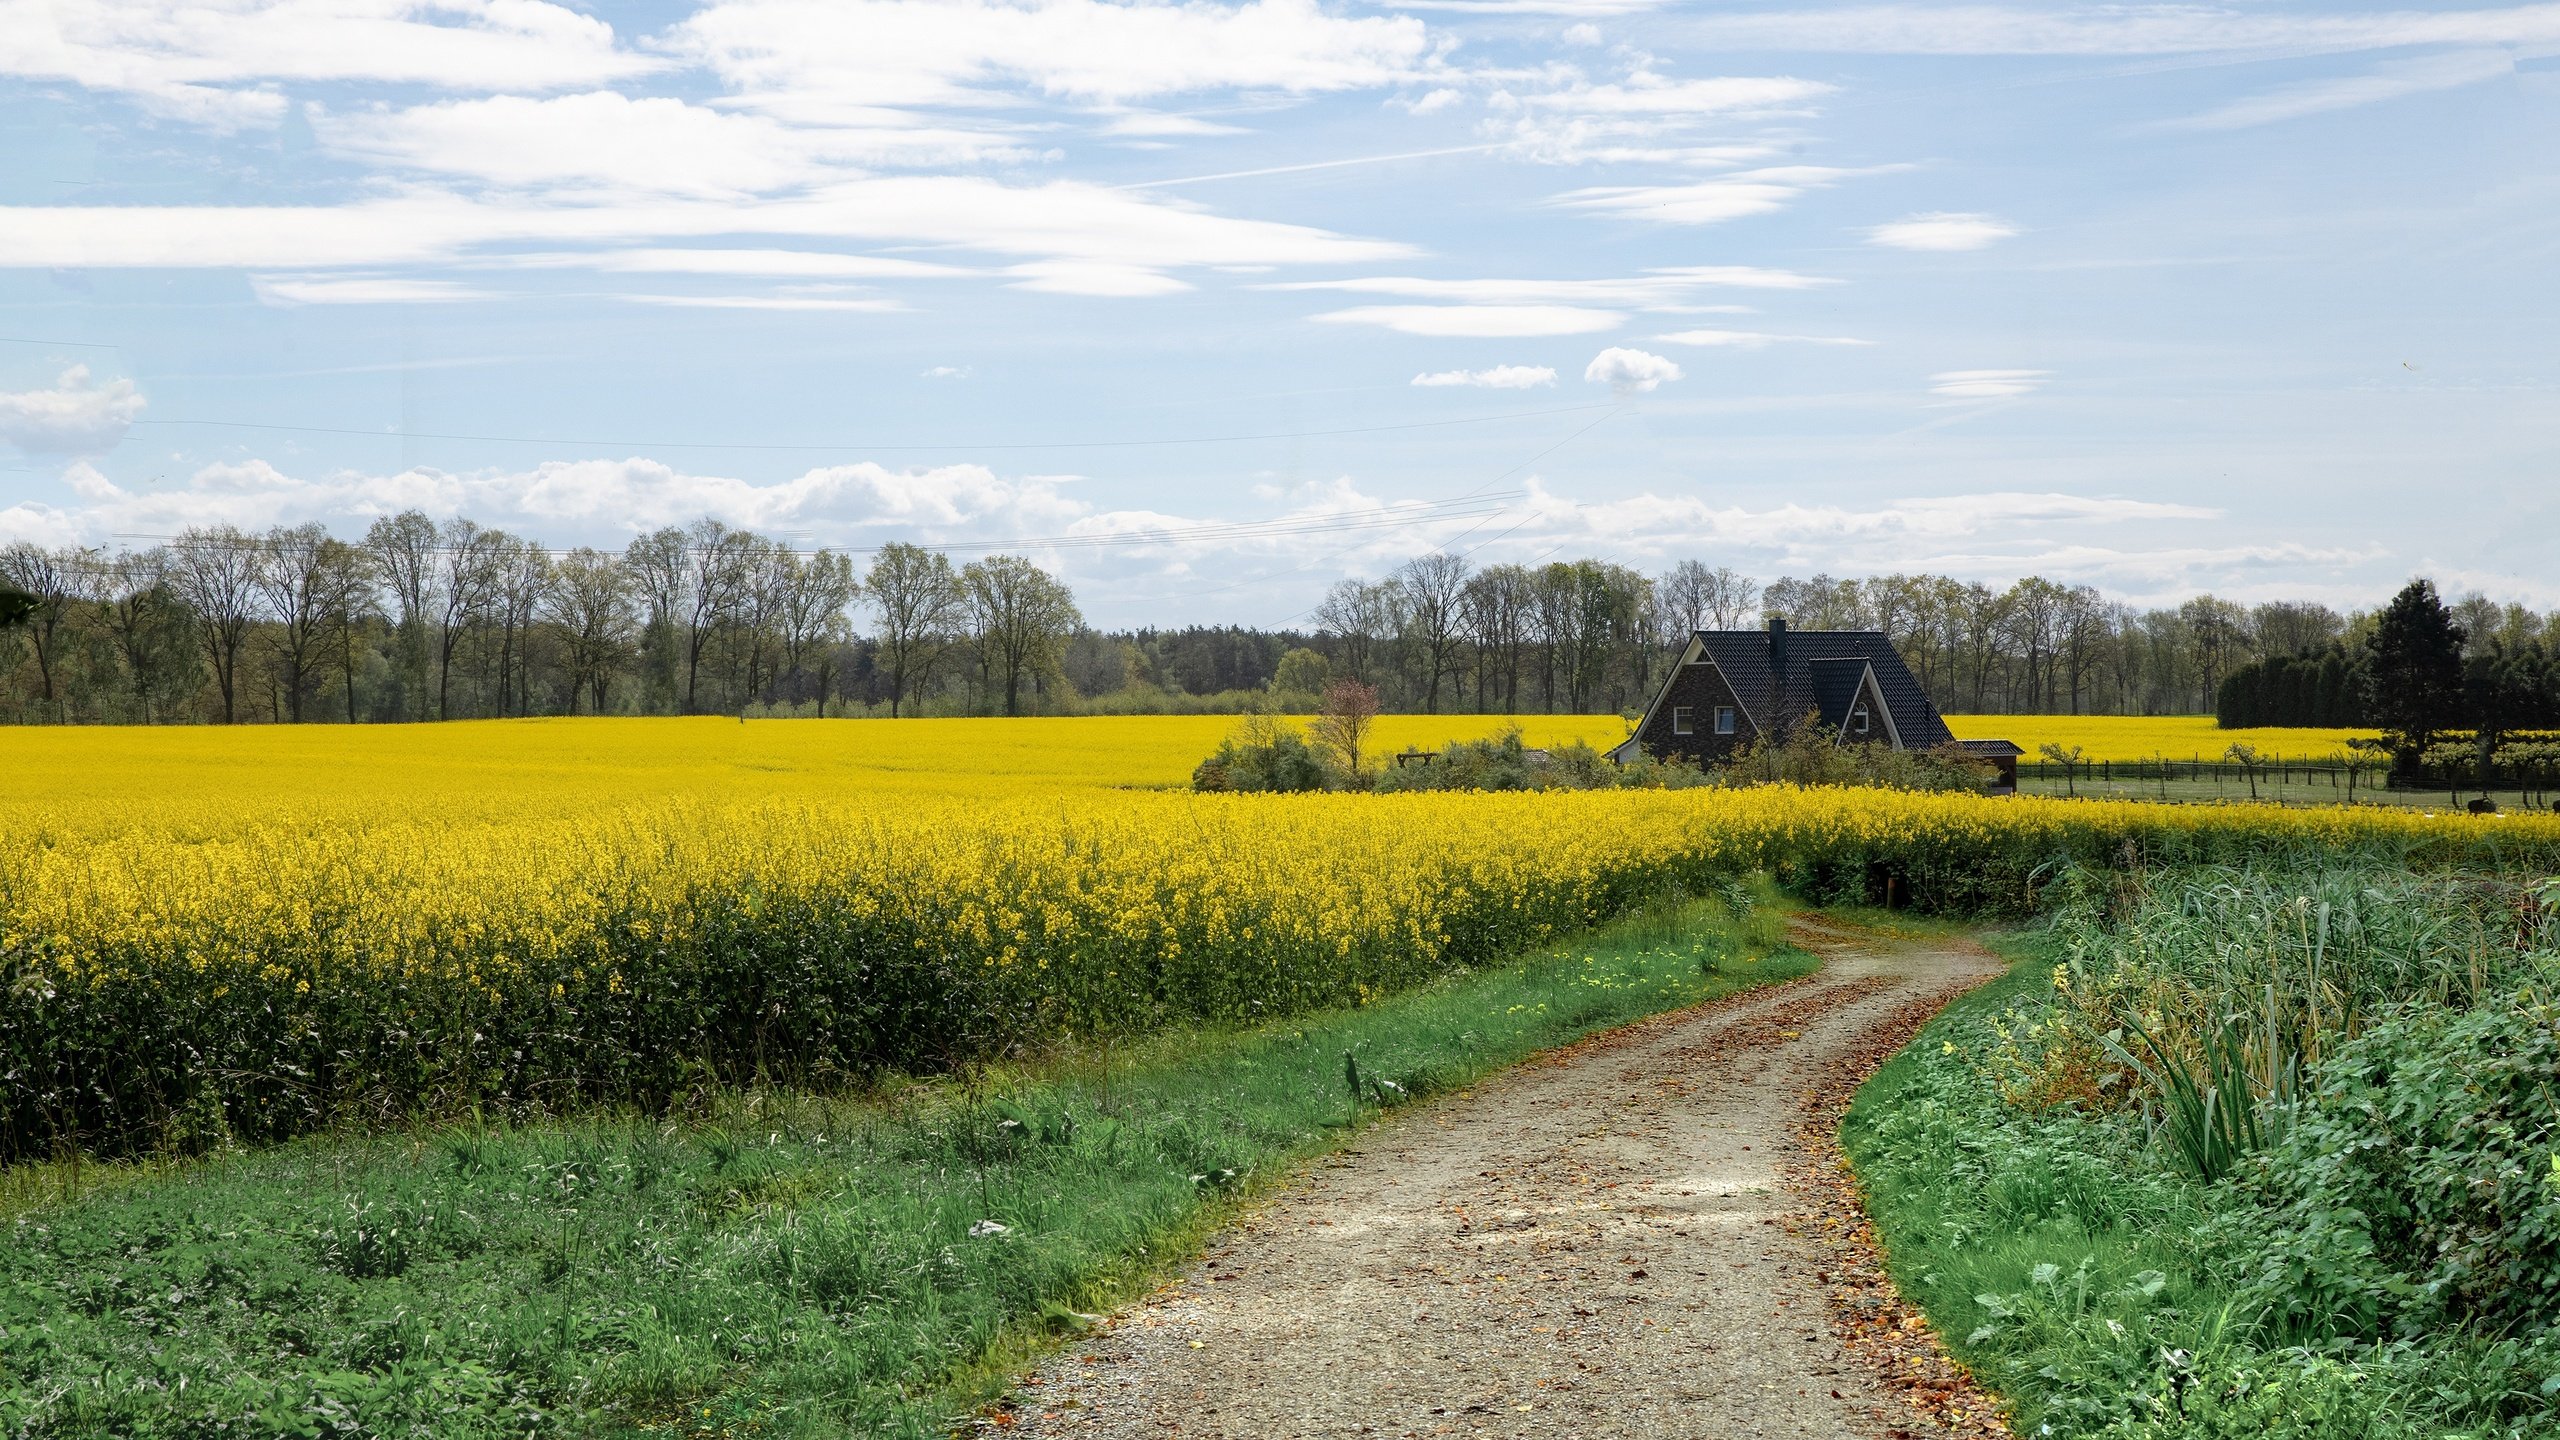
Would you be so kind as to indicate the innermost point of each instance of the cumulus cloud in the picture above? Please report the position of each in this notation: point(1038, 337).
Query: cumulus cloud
point(77, 416)
point(1585, 34)
point(1500, 377)
point(1941, 230)
point(1629, 372)
point(1986, 384)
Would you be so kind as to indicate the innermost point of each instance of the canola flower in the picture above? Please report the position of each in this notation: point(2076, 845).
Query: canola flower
point(227, 965)
point(2146, 737)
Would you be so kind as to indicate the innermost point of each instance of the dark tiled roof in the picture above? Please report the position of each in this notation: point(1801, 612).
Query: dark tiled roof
point(1743, 656)
point(1835, 685)
point(1989, 747)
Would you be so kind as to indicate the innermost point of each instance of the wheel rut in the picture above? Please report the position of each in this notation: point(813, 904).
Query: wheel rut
point(1590, 1245)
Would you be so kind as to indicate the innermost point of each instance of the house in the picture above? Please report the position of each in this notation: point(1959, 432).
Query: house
point(1733, 688)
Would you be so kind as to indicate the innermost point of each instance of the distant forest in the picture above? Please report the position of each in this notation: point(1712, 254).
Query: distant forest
point(420, 620)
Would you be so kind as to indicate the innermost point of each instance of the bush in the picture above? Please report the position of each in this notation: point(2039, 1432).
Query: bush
point(1267, 756)
point(1812, 755)
point(2418, 1189)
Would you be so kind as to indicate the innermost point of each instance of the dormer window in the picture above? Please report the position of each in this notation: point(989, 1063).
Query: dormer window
point(1859, 721)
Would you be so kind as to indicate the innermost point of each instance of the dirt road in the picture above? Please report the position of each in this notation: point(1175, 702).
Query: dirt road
point(1588, 1246)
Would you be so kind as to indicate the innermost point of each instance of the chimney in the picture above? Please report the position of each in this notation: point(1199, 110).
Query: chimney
point(1779, 718)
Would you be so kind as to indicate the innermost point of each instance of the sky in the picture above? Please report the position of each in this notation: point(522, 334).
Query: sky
point(1205, 306)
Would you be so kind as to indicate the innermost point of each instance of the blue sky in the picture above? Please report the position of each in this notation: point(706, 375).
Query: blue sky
point(1207, 305)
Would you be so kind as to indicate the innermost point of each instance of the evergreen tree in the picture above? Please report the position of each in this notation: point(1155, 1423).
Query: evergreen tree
point(2413, 685)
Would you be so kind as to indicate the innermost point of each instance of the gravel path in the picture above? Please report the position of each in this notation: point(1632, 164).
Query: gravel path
point(1587, 1246)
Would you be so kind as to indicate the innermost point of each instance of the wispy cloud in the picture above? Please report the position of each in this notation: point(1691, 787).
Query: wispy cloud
point(1751, 339)
point(1986, 384)
point(1705, 202)
point(362, 290)
point(2419, 76)
point(1499, 377)
point(1478, 322)
point(1941, 230)
point(2179, 29)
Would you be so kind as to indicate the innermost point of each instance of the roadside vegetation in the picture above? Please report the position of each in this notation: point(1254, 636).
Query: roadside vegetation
point(2245, 1152)
point(772, 1264)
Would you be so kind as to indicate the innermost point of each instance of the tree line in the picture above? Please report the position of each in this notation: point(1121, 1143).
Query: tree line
point(420, 619)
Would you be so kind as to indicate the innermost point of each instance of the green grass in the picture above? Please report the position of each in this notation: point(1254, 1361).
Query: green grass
point(794, 1265)
point(2103, 1291)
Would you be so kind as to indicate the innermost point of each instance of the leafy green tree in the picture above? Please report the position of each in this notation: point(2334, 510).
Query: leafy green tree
point(2414, 679)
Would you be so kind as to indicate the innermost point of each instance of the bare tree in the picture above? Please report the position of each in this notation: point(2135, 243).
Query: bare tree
point(1434, 587)
point(1019, 621)
point(593, 601)
point(656, 565)
point(215, 570)
point(1733, 599)
point(1498, 603)
point(466, 576)
point(55, 581)
point(918, 601)
point(1362, 617)
point(150, 627)
point(817, 591)
point(520, 573)
point(404, 547)
point(292, 585)
point(348, 577)
point(719, 566)
point(1342, 725)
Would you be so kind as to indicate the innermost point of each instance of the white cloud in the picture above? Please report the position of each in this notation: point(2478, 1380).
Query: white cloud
point(1149, 124)
point(610, 143)
point(854, 304)
point(2419, 76)
point(947, 372)
point(1060, 221)
point(75, 417)
point(1094, 277)
point(1986, 384)
point(1437, 100)
point(212, 62)
point(777, 264)
point(1643, 117)
point(361, 290)
point(1500, 377)
point(1704, 202)
point(1629, 372)
point(1659, 289)
point(1752, 339)
point(795, 54)
point(2114, 30)
point(1941, 230)
point(1491, 308)
point(1582, 34)
point(1478, 322)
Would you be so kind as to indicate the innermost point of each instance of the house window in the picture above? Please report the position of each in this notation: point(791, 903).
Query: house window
point(1679, 719)
point(1858, 721)
point(1724, 719)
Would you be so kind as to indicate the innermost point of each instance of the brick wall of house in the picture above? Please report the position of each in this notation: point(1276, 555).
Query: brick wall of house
point(1700, 689)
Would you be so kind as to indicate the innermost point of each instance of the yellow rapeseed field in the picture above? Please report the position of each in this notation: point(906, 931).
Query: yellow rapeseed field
point(247, 933)
point(2145, 737)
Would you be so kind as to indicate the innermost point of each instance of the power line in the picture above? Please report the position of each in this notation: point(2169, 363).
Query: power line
point(869, 445)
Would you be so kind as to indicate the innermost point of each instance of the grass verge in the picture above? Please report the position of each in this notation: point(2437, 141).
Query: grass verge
point(796, 1266)
point(2103, 1292)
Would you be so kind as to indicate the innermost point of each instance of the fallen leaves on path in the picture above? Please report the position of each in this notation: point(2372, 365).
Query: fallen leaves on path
point(1937, 1394)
